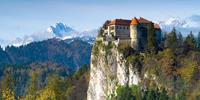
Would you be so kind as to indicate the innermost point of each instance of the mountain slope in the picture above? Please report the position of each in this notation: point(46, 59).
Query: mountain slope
point(59, 30)
point(72, 53)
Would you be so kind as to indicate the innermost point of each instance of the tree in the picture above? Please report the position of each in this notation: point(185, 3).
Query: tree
point(151, 38)
point(198, 41)
point(190, 42)
point(7, 86)
point(124, 93)
point(8, 94)
point(171, 39)
point(180, 40)
point(163, 95)
point(32, 87)
point(55, 89)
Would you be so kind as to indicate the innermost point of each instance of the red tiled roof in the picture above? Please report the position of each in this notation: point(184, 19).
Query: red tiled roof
point(142, 20)
point(134, 21)
point(156, 26)
point(120, 22)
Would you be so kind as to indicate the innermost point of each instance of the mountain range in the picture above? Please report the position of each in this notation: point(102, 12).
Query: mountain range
point(183, 25)
point(63, 31)
point(58, 30)
point(69, 53)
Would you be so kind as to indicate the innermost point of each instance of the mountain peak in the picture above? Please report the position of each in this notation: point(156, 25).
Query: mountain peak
point(175, 22)
point(60, 29)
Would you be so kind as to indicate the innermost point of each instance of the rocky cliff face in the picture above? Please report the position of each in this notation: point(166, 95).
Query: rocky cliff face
point(109, 69)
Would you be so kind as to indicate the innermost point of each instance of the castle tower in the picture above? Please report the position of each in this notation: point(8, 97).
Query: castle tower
point(134, 33)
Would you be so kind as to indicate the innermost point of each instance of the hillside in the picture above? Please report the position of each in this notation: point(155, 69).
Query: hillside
point(71, 53)
point(170, 72)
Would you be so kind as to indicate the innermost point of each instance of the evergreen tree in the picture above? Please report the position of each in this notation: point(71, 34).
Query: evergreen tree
point(190, 42)
point(151, 38)
point(171, 40)
point(198, 41)
point(180, 40)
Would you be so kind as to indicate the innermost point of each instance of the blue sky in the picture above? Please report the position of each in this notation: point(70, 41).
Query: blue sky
point(26, 17)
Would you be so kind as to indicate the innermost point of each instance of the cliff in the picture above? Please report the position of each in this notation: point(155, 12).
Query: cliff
point(109, 69)
point(171, 73)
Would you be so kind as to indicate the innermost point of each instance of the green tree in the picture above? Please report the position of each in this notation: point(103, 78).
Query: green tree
point(55, 89)
point(32, 88)
point(163, 95)
point(180, 40)
point(124, 93)
point(150, 95)
point(190, 42)
point(198, 41)
point(171, 39)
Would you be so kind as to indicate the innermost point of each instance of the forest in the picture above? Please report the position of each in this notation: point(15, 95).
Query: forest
point(175, 62)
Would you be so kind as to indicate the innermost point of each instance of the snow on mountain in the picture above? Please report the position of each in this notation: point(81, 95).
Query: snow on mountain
point(21, 41)
point(59, 31)
point(63, 31)
point(183, 25)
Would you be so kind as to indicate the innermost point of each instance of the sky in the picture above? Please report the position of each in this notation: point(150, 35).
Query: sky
point(25, 17)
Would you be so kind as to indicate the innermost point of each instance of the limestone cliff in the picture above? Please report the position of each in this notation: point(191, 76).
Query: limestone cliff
point(109, 69)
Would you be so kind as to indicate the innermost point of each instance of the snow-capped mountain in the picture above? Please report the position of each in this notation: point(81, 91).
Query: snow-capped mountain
point(59, 31)
point(183, 25)
point(62, 31)
point(21, 41)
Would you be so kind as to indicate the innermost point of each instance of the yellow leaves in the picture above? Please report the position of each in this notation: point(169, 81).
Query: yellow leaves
point(47, 94)
point(186, 72)
point(8, 94)
point(166, 53)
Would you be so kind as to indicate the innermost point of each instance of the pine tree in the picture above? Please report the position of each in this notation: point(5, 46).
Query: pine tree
point(198, 41)
point(171, 40)
point(180, 40)
point(190, 42)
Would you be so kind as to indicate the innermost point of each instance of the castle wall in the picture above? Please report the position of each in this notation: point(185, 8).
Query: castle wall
point(133, 35)
point(124, 43)
point(158, 35)
point(122, 31)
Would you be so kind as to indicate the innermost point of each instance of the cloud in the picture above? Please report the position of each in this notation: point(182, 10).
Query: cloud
point(195, 18)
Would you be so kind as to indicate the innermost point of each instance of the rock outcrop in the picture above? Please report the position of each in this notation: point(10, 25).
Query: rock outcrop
point(109, 69)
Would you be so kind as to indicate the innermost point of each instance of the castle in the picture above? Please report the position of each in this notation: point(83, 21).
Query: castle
point(131, 32)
